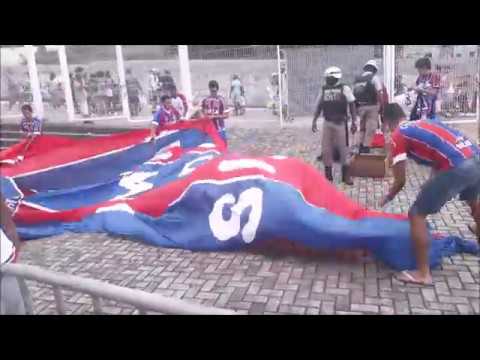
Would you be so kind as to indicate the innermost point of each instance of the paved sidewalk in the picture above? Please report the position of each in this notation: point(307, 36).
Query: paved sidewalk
point(260, 284)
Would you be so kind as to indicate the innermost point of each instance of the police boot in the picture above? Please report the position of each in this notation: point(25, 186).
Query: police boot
point(346, 175)
point(328, 173)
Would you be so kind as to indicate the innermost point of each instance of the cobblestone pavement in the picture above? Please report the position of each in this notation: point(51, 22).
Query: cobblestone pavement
point(261, 284)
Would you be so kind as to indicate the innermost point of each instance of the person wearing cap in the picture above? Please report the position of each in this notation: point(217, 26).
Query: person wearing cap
point(368, 92)
point(334, 101)
point(456, 160)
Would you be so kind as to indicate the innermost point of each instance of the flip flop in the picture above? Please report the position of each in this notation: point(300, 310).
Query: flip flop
point(409, 279)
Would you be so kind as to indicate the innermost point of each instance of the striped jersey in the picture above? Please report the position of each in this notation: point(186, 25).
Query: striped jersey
point(431, 143)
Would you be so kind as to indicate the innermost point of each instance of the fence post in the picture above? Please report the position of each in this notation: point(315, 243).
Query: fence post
point(123, 84)
point(185, 74)
point(34, 81)
point(389, 70)
point(478, 91)
point(62, 58)
point(280, 84)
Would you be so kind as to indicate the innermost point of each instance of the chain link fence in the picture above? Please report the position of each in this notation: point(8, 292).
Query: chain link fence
point(15, 89)
point(458, 70)
point(305, 67)
point(254, 65)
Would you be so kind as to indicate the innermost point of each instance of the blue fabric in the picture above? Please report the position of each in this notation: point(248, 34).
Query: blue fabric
point(186, 225)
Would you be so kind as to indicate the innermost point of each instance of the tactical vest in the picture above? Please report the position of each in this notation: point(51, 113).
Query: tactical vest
point(334, 103)
point(364, 90)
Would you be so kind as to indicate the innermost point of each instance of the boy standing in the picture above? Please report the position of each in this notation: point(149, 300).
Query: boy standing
point(214, 106)
point(427, 88)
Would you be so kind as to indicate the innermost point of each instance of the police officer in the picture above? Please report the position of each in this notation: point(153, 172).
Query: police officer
point(333, 101)
point(368, 92)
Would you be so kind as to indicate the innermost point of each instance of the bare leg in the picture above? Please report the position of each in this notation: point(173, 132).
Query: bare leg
point(419, 233)
point(475, 208)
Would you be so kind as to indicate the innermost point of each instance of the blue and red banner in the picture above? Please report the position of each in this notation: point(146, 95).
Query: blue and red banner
point(183, 190)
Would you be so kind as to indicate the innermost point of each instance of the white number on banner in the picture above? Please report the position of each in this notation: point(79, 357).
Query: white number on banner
point(189, 167)
point(232, 165)
point(223, 229)
point(463, 143)
point(135, 183)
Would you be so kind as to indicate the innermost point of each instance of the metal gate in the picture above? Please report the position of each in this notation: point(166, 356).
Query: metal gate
point(143, 301)
point(306, 66)
point(457, 66)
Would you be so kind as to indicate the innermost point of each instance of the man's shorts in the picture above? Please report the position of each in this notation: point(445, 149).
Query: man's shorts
point(463, 180)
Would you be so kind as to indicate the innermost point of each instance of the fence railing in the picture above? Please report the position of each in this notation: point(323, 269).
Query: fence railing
point(458, 94)
point(99, 290)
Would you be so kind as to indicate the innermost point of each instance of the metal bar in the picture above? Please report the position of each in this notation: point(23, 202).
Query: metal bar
point(57, 293)
point(137, 298)
point(97, 305)
point(26, 296)
point(280, 89)
point(123, 84)
point(62, 57)
point(34, 81)
point(185, 74)
point(478, 91)
point(389, 69)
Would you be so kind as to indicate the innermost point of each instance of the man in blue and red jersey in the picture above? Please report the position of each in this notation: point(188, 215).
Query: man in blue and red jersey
point(214, 106)
point(456, 161)
point(165, 114)
point(427, 88)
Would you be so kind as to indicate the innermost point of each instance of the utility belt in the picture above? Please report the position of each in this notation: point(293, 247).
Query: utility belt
point(366, 103)
point(337, 120)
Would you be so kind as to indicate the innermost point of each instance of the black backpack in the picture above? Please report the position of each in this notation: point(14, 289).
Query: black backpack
point(364, 90)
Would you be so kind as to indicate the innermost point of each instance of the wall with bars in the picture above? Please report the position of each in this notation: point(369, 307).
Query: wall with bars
point(255, 74)
point(306, 67)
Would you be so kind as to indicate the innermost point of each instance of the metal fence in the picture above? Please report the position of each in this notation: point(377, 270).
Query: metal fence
point(99, 291)
point(458, 69)
point(15, 86)
point(302, 70)
point(253, 64)
point(306, 65)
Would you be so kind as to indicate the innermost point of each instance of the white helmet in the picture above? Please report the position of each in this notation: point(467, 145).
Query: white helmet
point(372, 63)
point(333, 71)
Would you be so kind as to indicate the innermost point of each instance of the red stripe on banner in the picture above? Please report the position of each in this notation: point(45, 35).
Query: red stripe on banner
point(306, 179)
point(49, 151)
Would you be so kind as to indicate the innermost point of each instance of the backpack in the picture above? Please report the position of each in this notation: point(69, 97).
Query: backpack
point(364, 90)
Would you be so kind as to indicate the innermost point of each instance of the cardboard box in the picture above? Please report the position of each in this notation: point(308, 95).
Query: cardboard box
point(369, 165)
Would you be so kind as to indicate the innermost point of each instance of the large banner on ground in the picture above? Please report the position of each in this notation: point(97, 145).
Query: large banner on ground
point(184, 190)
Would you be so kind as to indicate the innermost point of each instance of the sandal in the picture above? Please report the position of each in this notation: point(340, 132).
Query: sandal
point(407, 278)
